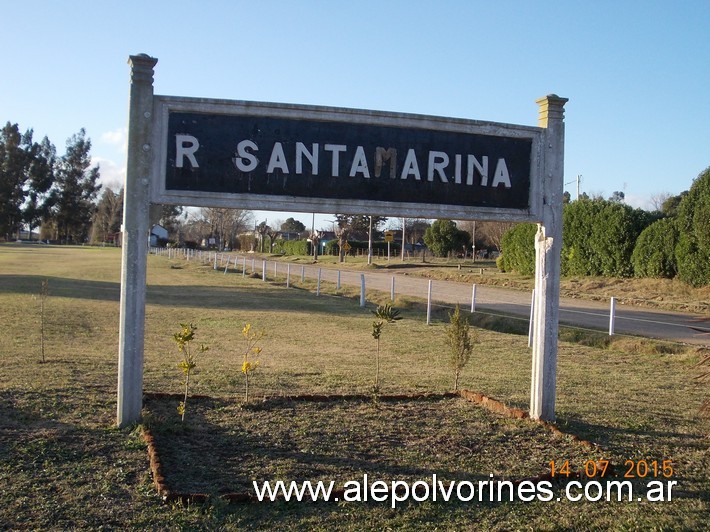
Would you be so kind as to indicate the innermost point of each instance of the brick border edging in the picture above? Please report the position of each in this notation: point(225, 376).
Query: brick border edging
point(489, 403)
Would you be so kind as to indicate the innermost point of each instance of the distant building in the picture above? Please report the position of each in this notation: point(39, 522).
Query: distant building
point(158, 235)
point(24, 234)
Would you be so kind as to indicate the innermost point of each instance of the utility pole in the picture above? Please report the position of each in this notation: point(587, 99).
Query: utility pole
point(369, 243)
point(579, 180)
point(404, 223)
point(473, 242)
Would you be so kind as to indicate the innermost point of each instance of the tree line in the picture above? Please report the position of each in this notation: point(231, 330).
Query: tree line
point(58, 193)
point(605, 237)
point(40, 188)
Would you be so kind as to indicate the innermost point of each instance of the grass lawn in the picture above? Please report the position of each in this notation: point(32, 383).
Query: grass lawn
point(63, 464)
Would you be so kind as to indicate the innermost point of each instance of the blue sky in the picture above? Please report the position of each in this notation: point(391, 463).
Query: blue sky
point(637, 73)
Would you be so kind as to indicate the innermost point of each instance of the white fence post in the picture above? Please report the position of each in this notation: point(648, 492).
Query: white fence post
point(362, 289)
point(263, 270)
point(428, 305)
point(612, 315)
point(473, 299)
point(318, 283)
point(303, 274)
point(392, 286)
point(337, 286)
point(288, 275)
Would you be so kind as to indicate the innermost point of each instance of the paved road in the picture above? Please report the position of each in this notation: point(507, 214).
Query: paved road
point(687, 328)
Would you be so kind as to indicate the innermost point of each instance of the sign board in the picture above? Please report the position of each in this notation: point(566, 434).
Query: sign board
point(347, 247)
point(321, 159)
point(389, 236)
point(249, 155)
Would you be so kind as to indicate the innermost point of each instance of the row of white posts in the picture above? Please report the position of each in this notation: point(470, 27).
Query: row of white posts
point(204, 256)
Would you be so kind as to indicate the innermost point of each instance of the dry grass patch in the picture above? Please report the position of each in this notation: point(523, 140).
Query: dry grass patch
point(64, 466)
point(224, 446)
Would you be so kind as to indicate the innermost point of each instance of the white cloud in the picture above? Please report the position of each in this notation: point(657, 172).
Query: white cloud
point(117, 137)
point(111, 175)
point(638, 202)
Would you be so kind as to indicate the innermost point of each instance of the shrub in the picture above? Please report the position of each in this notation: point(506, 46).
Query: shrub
point(290, 247)
point(518, 249)
point(460, 342)
point(360, 247)
point(599, 237)
point(693, 262)
point(654, 254)
point(693, 249)
point(384, 314)
point(443, 237)
point(251, 339)
point(183, 339)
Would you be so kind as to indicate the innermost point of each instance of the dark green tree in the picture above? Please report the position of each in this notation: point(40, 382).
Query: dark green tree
point(693, 222)
point(518, 249)
point(654, 253)
point(75, 191)
point(38, 202)
point(617, 197)
point(170, 218)
point(599, 237)
point(444, 237)
point(670, 205)
point(292, 225)
point(359, 223)
point(15, 159)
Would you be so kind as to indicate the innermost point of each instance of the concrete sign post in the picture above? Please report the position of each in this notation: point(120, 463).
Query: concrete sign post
point(548, 247)
point(134, 252)
point(267, 156)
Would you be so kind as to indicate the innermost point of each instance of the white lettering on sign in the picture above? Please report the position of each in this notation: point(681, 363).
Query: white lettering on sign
point(312, 157)
point(335, 149)
point(382, 155)
point(360, 163)
point(186, 146)
point(411, 167)
point(243, 155)
point(438, 162)
point(501, 174)
point(482, 168)
point(277, 160)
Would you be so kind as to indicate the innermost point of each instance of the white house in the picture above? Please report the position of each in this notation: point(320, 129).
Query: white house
point(158, 233)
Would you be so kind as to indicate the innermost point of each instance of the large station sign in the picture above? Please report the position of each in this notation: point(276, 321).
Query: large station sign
point(266, 156)
point(320, 159)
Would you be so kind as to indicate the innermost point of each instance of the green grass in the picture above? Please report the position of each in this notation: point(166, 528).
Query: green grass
point(64, 465)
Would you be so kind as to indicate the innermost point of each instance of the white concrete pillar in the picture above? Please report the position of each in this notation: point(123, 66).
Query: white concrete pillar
point(548, 245)
point(134, 251)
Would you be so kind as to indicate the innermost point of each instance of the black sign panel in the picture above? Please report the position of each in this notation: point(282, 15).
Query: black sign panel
point(278, 156)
